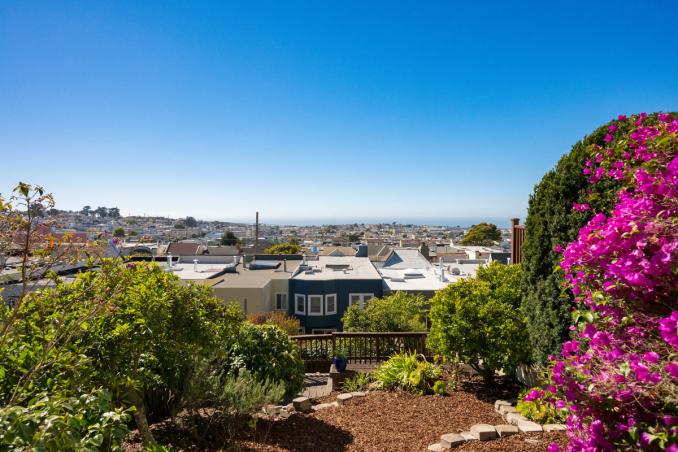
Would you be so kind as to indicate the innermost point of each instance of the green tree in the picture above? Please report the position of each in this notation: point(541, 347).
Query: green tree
point(396, 312)
point(102, 212)
point(229, 239)
point(190, 222)
point(552, 222)
point(478, 320)
point(114, 212)
point(483, 234)
point(284, 248)
point(87, 210)
point(119, 232)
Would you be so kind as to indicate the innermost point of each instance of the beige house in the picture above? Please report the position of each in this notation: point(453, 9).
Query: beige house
point(260, 287)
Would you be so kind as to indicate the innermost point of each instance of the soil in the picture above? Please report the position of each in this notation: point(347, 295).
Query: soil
point(381, 421)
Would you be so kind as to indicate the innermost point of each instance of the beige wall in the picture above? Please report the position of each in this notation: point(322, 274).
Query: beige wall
point(253, 299)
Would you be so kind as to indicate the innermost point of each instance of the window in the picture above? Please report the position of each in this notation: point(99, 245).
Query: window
point(315, 305)
point(360, 298)
point(331, 304)
point(300, 304)
point(281, 301)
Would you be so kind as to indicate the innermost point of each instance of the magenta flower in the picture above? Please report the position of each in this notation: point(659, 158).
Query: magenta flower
point(608, 138)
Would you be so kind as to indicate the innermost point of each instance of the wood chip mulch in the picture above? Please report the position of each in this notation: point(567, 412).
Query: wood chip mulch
point(382, 421)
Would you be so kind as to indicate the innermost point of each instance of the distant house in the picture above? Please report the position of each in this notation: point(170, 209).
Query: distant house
point(185, 248)
point(338, 251)
point(408, 270)
point(321, 290)
point(260, 286)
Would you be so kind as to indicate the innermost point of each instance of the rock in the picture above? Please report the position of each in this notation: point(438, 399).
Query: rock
point(302, 404)
point(290, 407)
point(554, 427)
point(322, 406)
point(468, 436)
point(358, 394)
point(451, 440)
point(437, 447)
point(529, 427)
point(483, 432)
point(506, 430)
point(284, 414)
point(499, 403)
point(514, 418)
point(506, 409)
point(343, 398)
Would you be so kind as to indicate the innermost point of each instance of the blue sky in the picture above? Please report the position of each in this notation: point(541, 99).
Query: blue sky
point(318, 110)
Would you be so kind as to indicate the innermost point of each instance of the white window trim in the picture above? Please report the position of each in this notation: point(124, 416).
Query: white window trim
point(362, 298)
point(296, 303)
point(321, 304)
point(275, 302)
point(327, 310)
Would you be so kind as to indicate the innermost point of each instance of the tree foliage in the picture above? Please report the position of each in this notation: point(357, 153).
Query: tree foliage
point(478, 320)
point(284, 248)
point(396, 312)
point(229, 239)
point(119, 232)
point(551, 222)
point(483, 234)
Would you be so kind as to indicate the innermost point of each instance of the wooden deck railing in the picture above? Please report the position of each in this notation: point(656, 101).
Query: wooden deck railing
point(363, 347)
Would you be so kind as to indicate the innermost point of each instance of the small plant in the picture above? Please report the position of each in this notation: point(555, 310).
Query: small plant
point(282, 320)
point(440, 388)
point(407, 372)
point(359, 382)
point(540, 406)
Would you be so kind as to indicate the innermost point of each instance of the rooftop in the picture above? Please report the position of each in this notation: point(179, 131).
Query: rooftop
point(338, 267)
point(246, 278)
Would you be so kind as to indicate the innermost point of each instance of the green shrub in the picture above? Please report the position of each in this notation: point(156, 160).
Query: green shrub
point(282, 320)
point(478, 321)
point(539, 405)
point(358, 382)
point(440, 387)
point(127, 328)
point(55, 423)
point(407, 372)
point(551, 222)
point(315, 350)
point(268, 353)
point(397, 312)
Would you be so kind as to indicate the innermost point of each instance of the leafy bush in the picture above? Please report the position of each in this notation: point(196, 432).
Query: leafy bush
point(233, 397)
point(540, 406)
point(440, 387)
point(619, 372)
point(267, 352)
point(282, 320)
point(315, 350)
point(284, 248)
point(551, 222)
point(358, 382)
point(55, 423)
point(127, 328)
point(397, 312)
point(478, 321)
point(407, 372)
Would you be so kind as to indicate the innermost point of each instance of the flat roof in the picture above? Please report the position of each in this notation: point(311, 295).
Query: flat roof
point(245, 278)
point(338, 267)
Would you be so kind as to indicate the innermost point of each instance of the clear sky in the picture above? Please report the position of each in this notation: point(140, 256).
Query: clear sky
point(310, 110)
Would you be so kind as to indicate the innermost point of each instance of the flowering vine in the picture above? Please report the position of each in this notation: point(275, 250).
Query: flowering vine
point(618, 376)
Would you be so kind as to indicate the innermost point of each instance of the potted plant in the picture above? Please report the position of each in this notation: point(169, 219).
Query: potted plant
point(339, 359)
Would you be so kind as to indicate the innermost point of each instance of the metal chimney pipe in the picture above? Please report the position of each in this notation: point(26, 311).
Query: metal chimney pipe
point(285, 265)
point(195, 265)
point(169, 260)
point(442, 271)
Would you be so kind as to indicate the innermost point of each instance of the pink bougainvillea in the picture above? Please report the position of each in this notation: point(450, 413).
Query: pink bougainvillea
point(618, 376)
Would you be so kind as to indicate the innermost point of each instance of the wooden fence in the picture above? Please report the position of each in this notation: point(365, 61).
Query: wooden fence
point(363, 348)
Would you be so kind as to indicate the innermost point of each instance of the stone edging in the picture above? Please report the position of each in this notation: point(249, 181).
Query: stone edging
point(303, 404)
point(516, 423)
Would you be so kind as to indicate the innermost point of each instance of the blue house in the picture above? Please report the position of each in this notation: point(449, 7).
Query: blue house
point(323, 289)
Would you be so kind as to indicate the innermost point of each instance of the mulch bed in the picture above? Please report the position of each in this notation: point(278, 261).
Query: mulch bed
point(382, 421)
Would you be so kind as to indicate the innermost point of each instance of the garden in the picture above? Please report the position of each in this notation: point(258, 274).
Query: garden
point(576, 348)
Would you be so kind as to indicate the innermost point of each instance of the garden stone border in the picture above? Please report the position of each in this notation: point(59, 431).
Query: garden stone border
point(516, 423)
